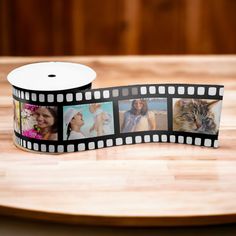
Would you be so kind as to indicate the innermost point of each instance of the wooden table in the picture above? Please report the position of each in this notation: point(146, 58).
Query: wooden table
point(157, 184)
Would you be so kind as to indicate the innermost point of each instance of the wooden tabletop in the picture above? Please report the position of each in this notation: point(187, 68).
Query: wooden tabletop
point(140, 185)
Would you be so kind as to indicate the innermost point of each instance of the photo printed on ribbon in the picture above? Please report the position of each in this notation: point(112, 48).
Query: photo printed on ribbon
point(88, 120)
point(144, 114)
point(39, 122)
point(16, 110)
point(196, 115)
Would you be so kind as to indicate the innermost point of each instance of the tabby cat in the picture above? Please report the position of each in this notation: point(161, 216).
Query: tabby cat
point(194, 115)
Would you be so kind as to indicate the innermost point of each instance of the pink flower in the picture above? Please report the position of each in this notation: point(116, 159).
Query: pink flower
point(31, 107)
point(32, 133)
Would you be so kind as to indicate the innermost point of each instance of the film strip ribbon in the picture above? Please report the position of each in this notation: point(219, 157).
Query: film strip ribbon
point(81, 118)
point(107, 117)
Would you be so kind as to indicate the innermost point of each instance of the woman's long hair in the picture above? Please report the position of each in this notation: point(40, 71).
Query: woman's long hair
point(68, 131)
point(144, 109)
point(53, 112)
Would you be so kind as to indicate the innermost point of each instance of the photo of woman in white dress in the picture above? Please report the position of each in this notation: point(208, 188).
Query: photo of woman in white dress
point(143, 115)
point(138, 118)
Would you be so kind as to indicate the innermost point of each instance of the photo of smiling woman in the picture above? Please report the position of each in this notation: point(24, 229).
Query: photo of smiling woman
point(137, 118)
point(143, 114)
point(39, 122)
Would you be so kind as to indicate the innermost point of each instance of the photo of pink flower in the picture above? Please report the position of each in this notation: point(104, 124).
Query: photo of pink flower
point(32, 133)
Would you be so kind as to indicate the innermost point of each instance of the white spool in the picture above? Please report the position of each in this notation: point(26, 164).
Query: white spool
point(51, 76)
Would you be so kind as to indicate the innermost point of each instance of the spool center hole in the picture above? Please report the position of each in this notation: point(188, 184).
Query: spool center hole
point(51, 75)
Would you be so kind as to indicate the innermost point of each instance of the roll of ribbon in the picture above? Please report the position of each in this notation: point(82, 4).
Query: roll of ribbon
point(55, 111)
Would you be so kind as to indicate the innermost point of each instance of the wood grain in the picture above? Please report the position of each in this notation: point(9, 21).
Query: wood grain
point(117, 27)
point(140, 185)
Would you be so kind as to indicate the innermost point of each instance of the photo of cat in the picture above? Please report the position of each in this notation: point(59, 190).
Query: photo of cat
point(196, 115)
